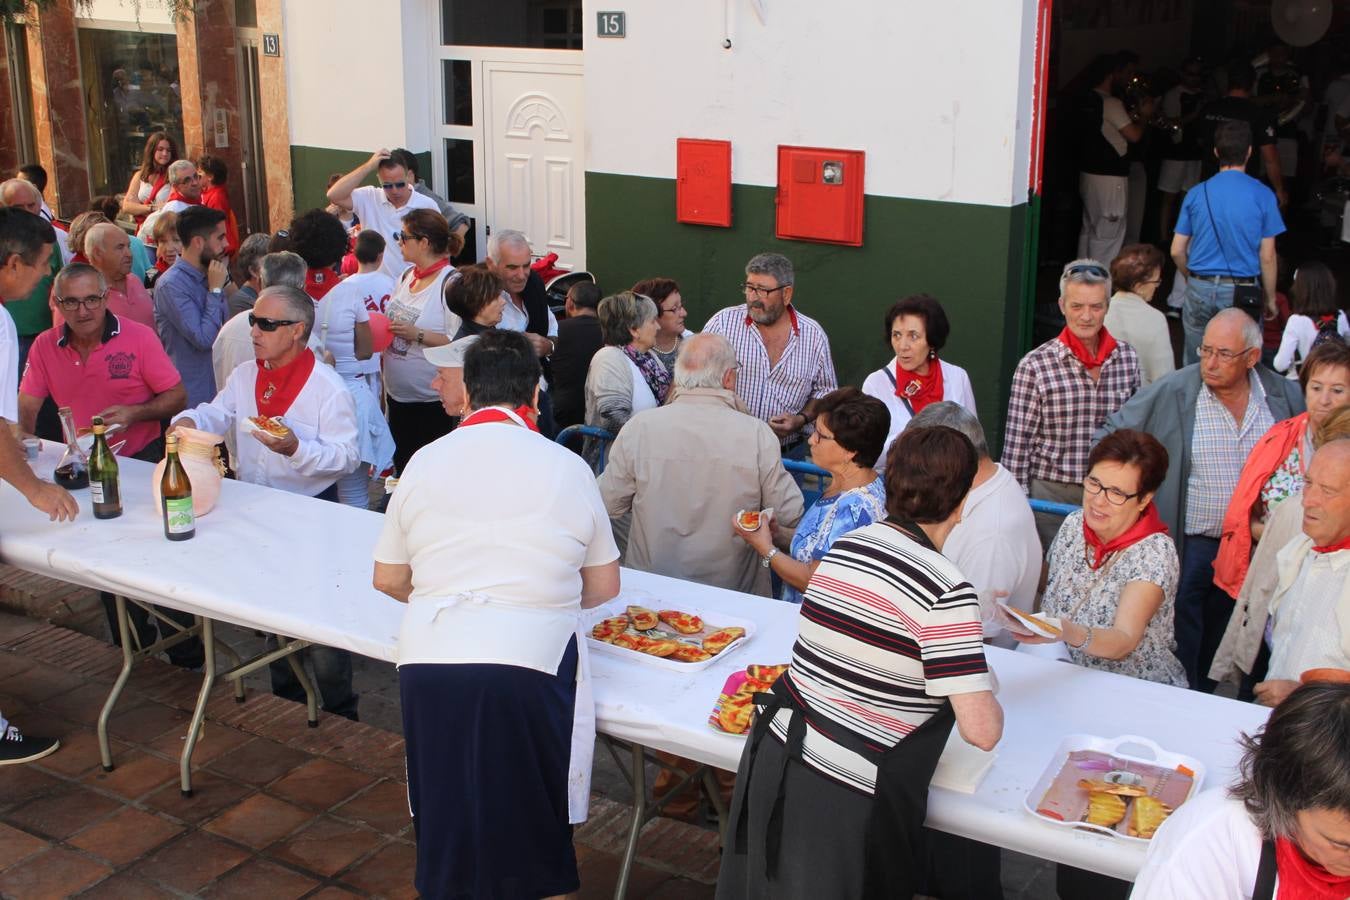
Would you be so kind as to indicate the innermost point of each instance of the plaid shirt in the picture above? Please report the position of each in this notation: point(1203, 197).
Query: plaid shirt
point(803, 373)
point(1055, 407)
point(1219, 448)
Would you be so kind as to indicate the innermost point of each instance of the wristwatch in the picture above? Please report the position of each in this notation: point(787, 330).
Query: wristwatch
point(767, 558)
point(420, 334)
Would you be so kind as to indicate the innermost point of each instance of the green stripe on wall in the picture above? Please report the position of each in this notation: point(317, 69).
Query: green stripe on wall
point(971, 257)
point(311, 167)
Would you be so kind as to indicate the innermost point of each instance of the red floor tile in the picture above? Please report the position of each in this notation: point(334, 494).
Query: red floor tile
point(388, 873)
point(258, 821)
point(40, 683)
point(62, 812)
point(19, 784)
point(53, 873)
point(192, 861)
point(600, 874)
point(326, 846)
point(78, 754)
point(333, 893)
point(384, 807)
point(127, 835)
point(134, 774)
point(126, 886)
point(258, 761)
point(16, 845)
point(260, 878)
point(211, 795)
point(84, 703)
point(146, 722)
point(320, 783)
point(215, 740)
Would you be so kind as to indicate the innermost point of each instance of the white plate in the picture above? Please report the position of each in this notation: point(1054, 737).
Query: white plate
point(246, 425)
point(1020, 622)
point(618, 607)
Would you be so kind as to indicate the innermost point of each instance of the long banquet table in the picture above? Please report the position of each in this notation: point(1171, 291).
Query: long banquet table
point(300, 567)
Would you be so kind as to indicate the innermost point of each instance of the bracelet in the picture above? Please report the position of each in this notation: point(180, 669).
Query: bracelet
point(767, 559)
point(1087, 639)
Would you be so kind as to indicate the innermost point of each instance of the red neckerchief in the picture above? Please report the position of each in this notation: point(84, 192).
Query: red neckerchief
point(419, 274)
point(174, 195)
point(1324, 321)
point(80, 258)
point(1105, 344)
point(919, 390)
point(162, 265)
point(792, 315)
point(319, 282)
point(497, 414)
point(1342, 544)
point(160, 180)
point(1149, 523)
point(274, 390)
point(1303, 879)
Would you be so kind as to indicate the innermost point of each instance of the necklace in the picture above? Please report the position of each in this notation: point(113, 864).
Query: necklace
point(673, 344)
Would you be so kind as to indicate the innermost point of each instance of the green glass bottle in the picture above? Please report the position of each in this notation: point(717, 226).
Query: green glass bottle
point(175, 495)
point(104, 488)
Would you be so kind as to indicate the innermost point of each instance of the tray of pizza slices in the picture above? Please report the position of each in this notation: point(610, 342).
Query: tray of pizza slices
point(667, 635)
point(736, 704)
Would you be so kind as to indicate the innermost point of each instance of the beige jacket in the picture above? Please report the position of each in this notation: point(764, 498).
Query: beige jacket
point(683, 470)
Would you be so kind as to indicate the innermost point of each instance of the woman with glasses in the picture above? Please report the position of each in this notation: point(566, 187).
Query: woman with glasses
point(670, 316)
point(1130, 317)
point(625, 376)
point(418, 319)
point(1112, 568)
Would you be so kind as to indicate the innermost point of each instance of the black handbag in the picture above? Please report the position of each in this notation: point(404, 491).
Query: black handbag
point(1247, 297)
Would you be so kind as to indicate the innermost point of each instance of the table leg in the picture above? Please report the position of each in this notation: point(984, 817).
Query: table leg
point(714, 791)
point(128, 657)
point(311, 700)
point(639, 782)
point(199, 714)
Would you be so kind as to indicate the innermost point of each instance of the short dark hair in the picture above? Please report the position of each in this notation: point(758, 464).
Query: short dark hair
point(475, 288)
point(500, 369)
point(1326, 355)
point(929, 471)
point(369, 246)
point(22, 234)
point(1299, 760)
point(198, 221)
point(404, 158)
point(1240, 74)
point(657, 288)
point(859, 423)
point(585, 294)
point(936, 328)
point(107, 204)
point(1314, 291)
point(1232, 142)
point(1133, 448)
point(1133, 266)
point(34, 174)
point(430, 224)
point(215, 167)
point(319, 238)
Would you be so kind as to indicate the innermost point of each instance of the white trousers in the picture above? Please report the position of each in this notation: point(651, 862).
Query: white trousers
point(1103, 232)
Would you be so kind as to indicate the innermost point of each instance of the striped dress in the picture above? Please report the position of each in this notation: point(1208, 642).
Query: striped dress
point(888, 630)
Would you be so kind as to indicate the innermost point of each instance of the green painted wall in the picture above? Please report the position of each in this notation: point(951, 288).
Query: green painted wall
point(311, 168)
point(970, 257)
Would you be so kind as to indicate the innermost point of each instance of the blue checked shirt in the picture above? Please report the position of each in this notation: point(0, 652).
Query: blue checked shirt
point(1219, 448)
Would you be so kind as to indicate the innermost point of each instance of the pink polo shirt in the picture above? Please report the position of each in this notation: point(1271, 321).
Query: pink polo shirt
point(134, 304)
point(130, 367)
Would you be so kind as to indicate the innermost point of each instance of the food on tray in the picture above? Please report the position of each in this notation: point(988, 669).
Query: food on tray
point(1112, 787)
point(736, 702)
point(273, 426)
point(662, 647)
point(1146, 814)
point(1104, 809)
point(719, 640)
point(643, 619)
point(628, 641)
point(748, 519)
point(755, 686)
point(608, 629)
point(689, 653)
point(733, 713)
point(683, 622)
point(765, 673)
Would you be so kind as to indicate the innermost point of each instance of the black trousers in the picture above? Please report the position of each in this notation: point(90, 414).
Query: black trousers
point(414, 425)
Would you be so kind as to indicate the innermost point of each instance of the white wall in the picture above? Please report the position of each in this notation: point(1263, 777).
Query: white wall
point(152, 12)
point(938, 94)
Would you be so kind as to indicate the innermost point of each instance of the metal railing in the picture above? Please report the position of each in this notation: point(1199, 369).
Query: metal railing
point(590, 431)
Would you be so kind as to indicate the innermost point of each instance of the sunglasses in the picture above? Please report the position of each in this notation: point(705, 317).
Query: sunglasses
point(393, 185)
point(1087, 269)
point(268, 324)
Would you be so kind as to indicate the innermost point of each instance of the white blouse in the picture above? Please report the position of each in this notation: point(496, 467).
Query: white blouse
point(955, 387)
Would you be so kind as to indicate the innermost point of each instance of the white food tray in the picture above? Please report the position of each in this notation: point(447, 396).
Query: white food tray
point(712, 620)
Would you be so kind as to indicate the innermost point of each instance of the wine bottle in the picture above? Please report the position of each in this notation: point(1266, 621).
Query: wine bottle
point(175, 492)
point(104, 488)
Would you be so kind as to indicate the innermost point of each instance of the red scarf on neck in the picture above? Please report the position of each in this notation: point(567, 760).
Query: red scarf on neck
point(919, 390)
point(174, 195)
point(162, 264)
point(319, 282)
point(420, 273)
point(1105, 344)
point(1342, 544)
point(1303, 879)
point(274, 390)
point(1147, 524)
point(497, 414)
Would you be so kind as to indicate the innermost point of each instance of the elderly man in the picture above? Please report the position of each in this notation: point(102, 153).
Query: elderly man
point(31, 312)
point(286, 380)
point(381, 208)
point(185, 185)
point(234, 344)
point(784, 356)
point(247, 273)
point(1063, 391)
point(25, 195)
point(190, 299)
point(1310, 612)
point(1208, 415)
point(527, 309)
point(109, 250)
point(685, 467)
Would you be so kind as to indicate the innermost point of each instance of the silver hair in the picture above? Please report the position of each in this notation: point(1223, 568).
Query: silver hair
point(507, 237)
point(298, 305)
point(775, 265)
point(89, 230)
point(7, 188)
point(703, 361)
point(954, 416)
point(1085, 271)
point(180, 169)
point(1251, 330)
point(620, 313)
point(251, 252)
point(78, 270)
point(283, 268)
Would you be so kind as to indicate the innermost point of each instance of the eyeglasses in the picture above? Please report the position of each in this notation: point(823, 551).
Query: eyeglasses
point(70, 304)
point(403, 237)
point(1114, 496)
point(268, 325)
point(1204, 351)
point(762, 292)
point(1091, 269)
point(393, 185)
point(678, 307)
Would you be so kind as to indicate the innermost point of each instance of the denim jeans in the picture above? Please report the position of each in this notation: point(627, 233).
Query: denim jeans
point(1203, 300)
point(1202, 611)
point(332, 676)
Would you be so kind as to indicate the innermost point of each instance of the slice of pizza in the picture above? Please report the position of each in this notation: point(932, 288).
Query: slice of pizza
point(660, 648)
point(608, 629)
point(643, 619)
point(683, 622)
point(765, 673)
point(690, 654)
point(733, 714)
point(754, 686)
point(270, 426)
point(719, 640)
point(628, 641)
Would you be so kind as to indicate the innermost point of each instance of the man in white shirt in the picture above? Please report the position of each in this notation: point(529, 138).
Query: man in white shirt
point(185, 189)
point(381, 209)
point(527, 309)
point(234, 344)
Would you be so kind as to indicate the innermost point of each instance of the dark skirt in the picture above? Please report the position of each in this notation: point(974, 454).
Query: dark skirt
point(488, 753)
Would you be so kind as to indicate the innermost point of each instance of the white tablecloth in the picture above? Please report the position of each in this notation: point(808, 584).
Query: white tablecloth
point(302, 567)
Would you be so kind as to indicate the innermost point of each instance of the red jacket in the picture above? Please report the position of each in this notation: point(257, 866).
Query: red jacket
point(1235, 544)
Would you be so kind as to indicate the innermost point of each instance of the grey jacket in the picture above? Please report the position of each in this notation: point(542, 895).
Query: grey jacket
point(1166, 410)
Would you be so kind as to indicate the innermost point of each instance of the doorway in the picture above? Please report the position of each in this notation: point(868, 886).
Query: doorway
point(252, 170)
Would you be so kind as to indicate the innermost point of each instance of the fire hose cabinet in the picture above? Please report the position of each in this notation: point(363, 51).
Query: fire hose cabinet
point(820, 195)
point(703, 182)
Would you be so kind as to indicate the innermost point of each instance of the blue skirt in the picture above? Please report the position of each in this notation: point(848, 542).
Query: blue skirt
point(488, 753)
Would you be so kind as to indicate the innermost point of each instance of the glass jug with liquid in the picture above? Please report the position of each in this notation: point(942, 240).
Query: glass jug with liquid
point(72, 472)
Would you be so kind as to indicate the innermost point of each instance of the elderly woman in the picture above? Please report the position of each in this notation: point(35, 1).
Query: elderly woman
point(625, 376)
point(1275, 468)
point(495, 690)
point(1287, 818)
point(417, 319)
point(1113, 570)
point(665, 293)
point(917, 329)
point(850, 431)
point(476, 297)
point(853, 730)
point(1130, 317)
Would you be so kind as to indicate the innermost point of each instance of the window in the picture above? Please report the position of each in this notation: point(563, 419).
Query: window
point(547, 24)
point(457, 89)
point(459, 171)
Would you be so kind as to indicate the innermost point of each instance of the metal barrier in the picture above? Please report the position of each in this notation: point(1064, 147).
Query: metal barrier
point(800, 471)
point(1053, 509)
point(590, 431)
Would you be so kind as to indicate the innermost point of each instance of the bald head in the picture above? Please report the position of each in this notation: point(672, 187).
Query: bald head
point(20, 194)
point(1230, 348)
point(1326, 494)
point(109, 250)
point(705, 361)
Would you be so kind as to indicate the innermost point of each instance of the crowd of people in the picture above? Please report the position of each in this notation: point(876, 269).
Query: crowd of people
point(1211, 541)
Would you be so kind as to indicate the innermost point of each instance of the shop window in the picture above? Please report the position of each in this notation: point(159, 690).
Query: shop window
point(131, 90)
point(546, 24)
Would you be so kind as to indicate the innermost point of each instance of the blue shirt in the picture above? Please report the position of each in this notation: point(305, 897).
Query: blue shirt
point(1244, 212)
point(828, 519)
point(188, 318)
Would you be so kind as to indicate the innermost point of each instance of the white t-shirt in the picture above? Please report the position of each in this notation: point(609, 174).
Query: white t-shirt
point(147, 230)
point(335, 319)
point(1207, 850)
point(407, 374)
point(1296, 343)
point(496, 522)
point(378, 214)
point(9, 367)
point(955, 387)
point(373, 290)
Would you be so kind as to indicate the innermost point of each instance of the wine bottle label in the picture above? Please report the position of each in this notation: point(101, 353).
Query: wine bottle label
point(178, 516)
point(96, 491)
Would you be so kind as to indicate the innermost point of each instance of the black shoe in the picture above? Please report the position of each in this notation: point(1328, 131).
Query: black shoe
point(15, 748)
